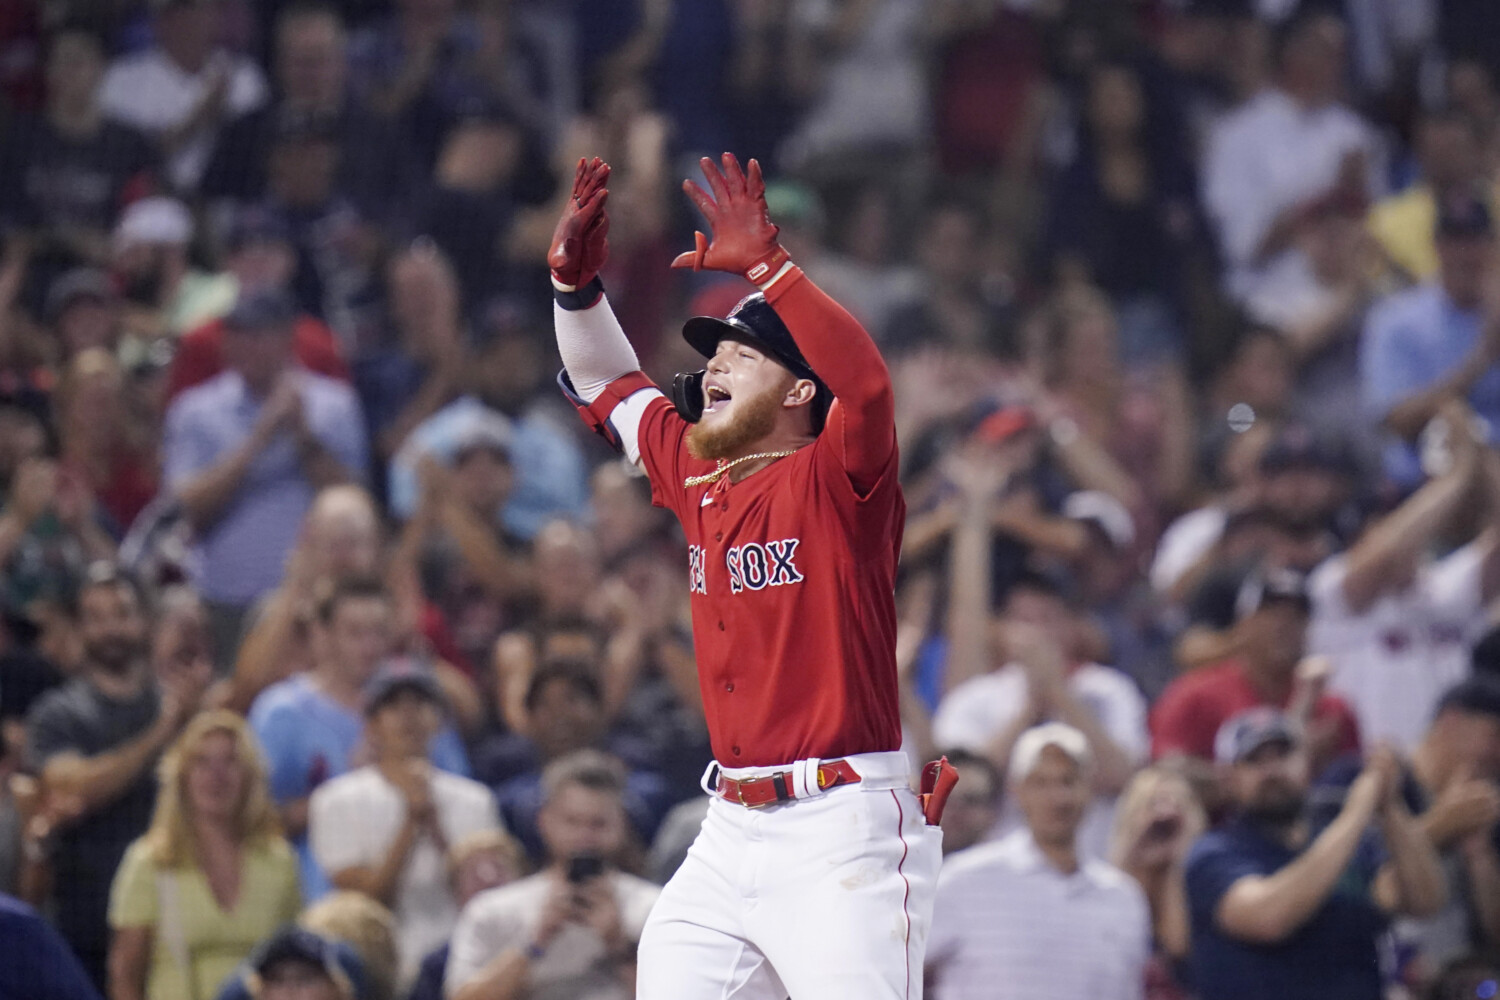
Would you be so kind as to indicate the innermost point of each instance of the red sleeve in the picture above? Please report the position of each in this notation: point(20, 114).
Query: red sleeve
point(862, 423)
point(199, 357)
point(1178, 724)
point(318, 351)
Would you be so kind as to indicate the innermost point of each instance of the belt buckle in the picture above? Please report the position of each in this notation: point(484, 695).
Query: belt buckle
point(740, 788)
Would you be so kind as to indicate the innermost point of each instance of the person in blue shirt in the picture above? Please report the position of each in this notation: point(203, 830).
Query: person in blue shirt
point(38, 964)
point(1436, 341)
point(311, 725)
point(1278, 914)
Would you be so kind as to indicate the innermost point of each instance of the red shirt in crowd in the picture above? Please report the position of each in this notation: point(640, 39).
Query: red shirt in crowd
point(1187, 716)
point(792, 570)
point(200, 354)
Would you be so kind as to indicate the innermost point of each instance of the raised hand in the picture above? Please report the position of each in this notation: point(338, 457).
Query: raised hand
point(744, 237)
point(580, 243)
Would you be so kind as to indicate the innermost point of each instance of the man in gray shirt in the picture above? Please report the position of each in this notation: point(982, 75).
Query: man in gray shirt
point(95, 741)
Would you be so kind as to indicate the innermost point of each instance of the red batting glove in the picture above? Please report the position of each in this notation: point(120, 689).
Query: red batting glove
point(580, 243)
point(744, 237)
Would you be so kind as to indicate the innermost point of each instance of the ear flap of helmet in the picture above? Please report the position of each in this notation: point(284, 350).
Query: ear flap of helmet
point(687, 395)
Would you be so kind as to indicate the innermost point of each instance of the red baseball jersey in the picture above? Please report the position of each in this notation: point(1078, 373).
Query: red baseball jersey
point(792, 570)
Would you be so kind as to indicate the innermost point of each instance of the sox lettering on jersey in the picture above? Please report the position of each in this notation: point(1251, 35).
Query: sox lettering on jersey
point(754, 566)
point(697, 577)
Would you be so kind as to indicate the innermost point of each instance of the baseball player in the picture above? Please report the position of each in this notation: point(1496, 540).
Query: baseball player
point(813, 875)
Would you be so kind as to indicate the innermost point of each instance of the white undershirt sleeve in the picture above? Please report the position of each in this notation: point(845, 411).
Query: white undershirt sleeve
point(593, 347)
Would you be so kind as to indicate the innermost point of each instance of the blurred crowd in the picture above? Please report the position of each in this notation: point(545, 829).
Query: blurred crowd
point(338, 660)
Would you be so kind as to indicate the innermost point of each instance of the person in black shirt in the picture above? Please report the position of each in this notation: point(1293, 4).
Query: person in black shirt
point(311, 78)
point(95, 741)
point(1280, 914)
point(67, 172)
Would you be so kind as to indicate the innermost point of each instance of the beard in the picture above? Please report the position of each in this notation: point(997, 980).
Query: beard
point(753, 419)
point(1277, 804)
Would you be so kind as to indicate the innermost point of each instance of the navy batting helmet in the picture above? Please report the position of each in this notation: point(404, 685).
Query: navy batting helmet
point(753, 322)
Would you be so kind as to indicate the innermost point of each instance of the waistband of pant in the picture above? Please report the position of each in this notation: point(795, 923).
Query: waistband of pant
point(878, 770)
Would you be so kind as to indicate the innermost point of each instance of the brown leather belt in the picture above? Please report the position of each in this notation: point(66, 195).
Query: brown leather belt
point(771, 789)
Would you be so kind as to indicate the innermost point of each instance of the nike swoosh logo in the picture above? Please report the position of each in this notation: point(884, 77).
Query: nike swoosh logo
point(708, 500)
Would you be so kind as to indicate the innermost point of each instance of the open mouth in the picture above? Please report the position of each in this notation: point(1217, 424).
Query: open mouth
point(714, 399)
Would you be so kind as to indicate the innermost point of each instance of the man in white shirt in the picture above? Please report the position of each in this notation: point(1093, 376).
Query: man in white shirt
point(385, 829)
point(1030, 917)
point(181, 90)
point(570, 931)
point(1286, 149)
point(1398, 625)
point(1040, 678)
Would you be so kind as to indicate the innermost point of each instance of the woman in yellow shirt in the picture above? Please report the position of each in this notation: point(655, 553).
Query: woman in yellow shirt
point(209, 879)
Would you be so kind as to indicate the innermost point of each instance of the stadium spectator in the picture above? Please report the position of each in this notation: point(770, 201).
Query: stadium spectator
point(183, 89)
point(1032, 915)
point(48, 535)
point(957, 303)
point(105, 444)
point(68, 170)
point(1041, 675)
point(572, 928)
point(414, 67)
point(360, 923)
point(1158, 820)
point(245, 452)
point(340, 540)
point(163, 290)
point(94, 743)
point(480, 862)
point(1447, 148)
point(259, 256)
point(565, 714)
point(210, 877)
point(418, 374)
point(310, 63)
point(385, 828)
point(300, 964)
point(1279, 913)
point(1123, 215)
point(83, 311)
point(1450, 785)
point(337, 243)
point(39, 963)
point(1398, 624)
point(973, 809)
point(311, 724)
point(1435, 341)
point(1269, 638)
point(501, 386)
point(476, 572)
point(1281, 152)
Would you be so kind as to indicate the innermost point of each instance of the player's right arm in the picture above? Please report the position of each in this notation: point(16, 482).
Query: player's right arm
point(603, 376)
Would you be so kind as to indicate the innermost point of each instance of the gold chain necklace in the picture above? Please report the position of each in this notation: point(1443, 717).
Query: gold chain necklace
point(709, 477)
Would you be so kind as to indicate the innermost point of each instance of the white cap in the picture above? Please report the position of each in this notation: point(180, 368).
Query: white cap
point(154, 221)
point(1105, 511)
point(1027, 752)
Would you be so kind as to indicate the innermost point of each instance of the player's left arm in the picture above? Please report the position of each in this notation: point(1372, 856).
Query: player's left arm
point(861, 423)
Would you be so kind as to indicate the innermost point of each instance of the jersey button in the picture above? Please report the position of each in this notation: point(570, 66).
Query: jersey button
point(718, 536)
point(724, 505)
point(735, 751)
point(729, 687)
point(721, 626)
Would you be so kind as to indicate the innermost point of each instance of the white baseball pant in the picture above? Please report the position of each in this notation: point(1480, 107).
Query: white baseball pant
point(821, 898)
